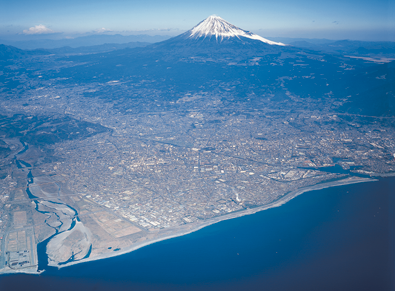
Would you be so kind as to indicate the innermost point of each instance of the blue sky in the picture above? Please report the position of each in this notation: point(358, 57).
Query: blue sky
point(335, 19)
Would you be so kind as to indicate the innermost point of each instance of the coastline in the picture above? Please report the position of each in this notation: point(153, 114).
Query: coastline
point(21, 271)
point(384, 175)
point(187, 229)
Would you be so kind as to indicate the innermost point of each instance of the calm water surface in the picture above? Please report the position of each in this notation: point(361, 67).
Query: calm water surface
point(340, 238)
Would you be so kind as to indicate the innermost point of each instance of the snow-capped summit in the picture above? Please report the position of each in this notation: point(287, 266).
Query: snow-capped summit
point(218, 27)
point(217, 39)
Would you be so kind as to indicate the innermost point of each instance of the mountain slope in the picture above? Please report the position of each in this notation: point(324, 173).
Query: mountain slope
point(8, 53)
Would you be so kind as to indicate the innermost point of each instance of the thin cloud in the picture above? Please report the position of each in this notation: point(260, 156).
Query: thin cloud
point(38, 29)
point(102, 30)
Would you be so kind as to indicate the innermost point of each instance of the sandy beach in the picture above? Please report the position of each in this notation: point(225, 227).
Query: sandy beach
point(187, 229)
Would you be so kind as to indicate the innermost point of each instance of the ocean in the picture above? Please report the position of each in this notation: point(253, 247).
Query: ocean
point(339, 238)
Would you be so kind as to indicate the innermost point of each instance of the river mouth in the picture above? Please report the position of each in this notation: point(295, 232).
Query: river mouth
point(62, 218)
point(42, 255)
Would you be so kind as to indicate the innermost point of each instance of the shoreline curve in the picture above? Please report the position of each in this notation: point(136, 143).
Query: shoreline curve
point(286, 198)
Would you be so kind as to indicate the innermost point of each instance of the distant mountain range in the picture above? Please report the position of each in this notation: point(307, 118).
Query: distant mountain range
point(96, 48)
point(9, 53)
point(360, 48)
point(83, 41)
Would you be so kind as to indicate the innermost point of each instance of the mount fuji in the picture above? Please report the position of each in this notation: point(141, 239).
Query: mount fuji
point(215, 37)
point(215, 26)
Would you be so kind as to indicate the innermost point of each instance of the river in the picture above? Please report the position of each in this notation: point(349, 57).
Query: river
point(44, 206)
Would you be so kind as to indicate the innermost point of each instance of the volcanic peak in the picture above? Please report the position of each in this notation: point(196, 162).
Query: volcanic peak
point(220, 28)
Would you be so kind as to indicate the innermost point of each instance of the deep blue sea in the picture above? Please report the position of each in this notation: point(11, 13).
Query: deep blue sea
point(340, 238)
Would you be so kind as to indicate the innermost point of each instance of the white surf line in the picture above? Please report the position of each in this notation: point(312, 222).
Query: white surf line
point(194, 228)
